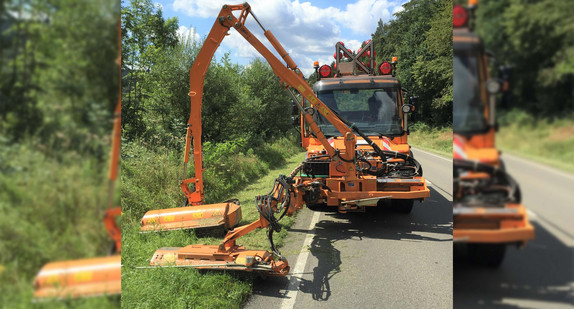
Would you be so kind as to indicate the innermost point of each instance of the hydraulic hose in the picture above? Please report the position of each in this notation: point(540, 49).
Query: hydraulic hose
point(494, 171)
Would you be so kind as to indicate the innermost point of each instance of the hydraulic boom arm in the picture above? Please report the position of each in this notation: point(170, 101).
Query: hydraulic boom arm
point(290, 77)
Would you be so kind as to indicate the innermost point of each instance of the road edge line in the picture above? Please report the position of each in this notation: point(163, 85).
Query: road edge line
point(432, 154)
point(541, 166)
point(289, 300)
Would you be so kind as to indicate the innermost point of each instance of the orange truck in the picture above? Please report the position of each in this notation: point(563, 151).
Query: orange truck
point(488, 214)
point(370, 98)
point(355, 131)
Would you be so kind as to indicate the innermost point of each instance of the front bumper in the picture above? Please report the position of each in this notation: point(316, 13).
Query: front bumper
point(492, 225)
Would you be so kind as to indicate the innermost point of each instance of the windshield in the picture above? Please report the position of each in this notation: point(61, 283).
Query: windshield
point(374, 111)
point(468, 109)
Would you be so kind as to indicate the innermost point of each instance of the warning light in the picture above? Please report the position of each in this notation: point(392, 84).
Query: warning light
point(459, 16)
point(394, 60)
point(325, 70)
point(385, 68)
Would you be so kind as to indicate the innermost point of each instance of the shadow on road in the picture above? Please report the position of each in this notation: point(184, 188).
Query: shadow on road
point(432, 216)
point(537, 276)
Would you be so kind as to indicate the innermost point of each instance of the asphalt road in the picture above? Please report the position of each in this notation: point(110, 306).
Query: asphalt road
point(542, 274)
point(376, 259)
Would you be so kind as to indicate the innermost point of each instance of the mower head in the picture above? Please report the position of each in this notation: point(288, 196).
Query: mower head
point(218, 258)
point(79, 278)
point(226, 215)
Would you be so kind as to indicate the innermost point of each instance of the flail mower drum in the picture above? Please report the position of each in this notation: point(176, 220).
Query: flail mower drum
point(79, 278)
point(225, 215)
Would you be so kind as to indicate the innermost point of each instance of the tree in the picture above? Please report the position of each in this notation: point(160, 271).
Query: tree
point(421, 37)
point(535, 38)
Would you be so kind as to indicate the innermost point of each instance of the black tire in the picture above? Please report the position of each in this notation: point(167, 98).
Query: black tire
point(502, 165)
point(402, 206)
point(489, 255)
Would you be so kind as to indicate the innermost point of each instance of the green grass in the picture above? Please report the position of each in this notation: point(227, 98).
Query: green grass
point(548, 141)
point(438, 140)
point(150, 181)
point(52, 210)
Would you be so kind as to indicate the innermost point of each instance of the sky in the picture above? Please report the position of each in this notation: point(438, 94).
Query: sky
point(307, 30)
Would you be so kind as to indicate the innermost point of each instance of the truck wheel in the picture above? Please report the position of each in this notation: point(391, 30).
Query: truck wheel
point(402, 206)
point(489, 255)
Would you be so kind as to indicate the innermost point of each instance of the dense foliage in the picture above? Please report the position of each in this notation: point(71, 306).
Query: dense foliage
point(156, 82)
point(421, 37)
point(536, 39)
point(58, 80)
point(58, 87)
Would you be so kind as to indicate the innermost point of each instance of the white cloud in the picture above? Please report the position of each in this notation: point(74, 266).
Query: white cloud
point(398, 9)
point(362, 16)
point(187, 33)
point(307, 32)
point(199, 8)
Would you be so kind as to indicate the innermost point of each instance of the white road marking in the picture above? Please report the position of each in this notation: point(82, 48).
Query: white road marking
point(540, 166)
point(293, 287)
point(562, 236)
point(432, 154)
point(531, 215)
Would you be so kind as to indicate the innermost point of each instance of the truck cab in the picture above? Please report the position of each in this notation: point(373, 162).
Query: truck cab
point(374, 103)
point(474, 125)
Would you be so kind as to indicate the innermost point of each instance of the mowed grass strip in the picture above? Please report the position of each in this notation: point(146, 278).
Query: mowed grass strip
point(188, 287)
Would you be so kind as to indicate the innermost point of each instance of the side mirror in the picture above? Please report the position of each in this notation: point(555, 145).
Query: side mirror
point(493, 86)
point(413, 101)
point(505, 74)
point(408, 108)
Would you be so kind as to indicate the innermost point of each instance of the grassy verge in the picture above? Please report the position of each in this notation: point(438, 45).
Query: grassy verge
point(438, 140)
point(547, 141)
point(150, 181)
point(51, 210)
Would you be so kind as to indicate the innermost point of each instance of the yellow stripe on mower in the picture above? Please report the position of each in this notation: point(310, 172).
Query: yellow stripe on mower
point(226, 215)
point(79, 278)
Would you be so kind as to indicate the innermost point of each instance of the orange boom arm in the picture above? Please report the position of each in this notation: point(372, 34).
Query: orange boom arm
point(290, 77)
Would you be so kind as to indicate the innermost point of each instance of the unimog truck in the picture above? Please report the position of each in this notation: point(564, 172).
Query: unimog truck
point(488, 214)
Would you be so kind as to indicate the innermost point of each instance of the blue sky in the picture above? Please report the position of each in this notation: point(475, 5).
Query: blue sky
point(308, 30)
